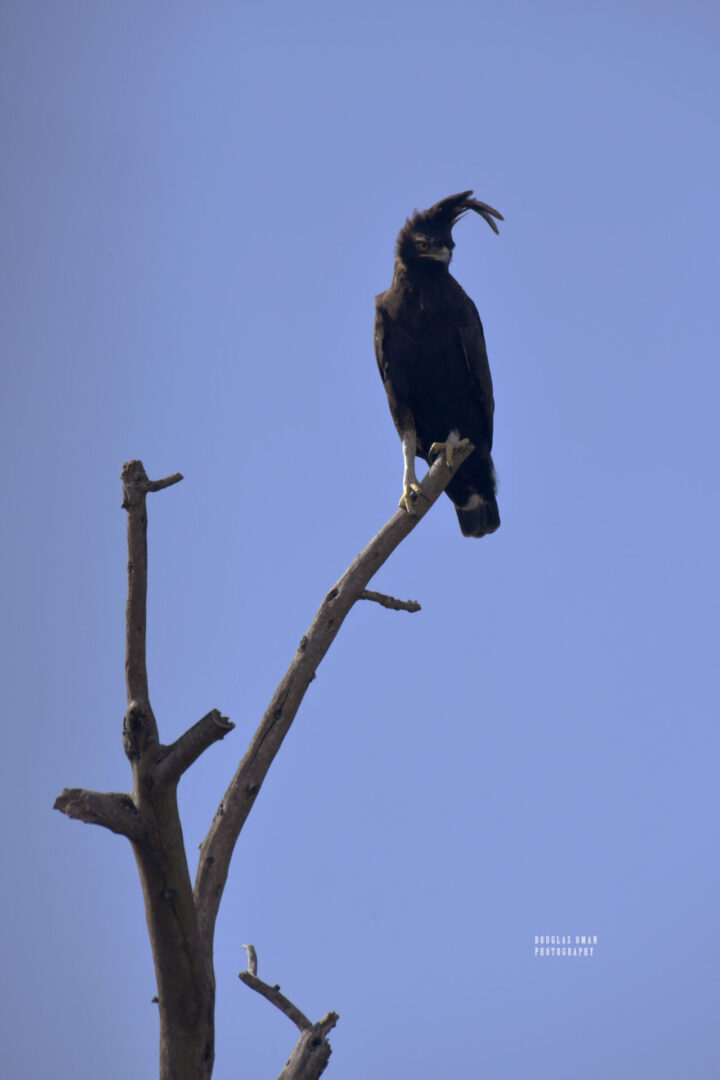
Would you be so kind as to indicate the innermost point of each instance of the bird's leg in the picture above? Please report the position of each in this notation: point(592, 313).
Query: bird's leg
point(411, 488)
point(453, 443)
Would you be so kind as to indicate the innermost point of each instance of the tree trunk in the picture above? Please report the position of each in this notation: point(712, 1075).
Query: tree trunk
point(180, 920)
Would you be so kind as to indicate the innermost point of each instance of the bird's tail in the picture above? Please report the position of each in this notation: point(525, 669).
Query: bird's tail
point(479, 515)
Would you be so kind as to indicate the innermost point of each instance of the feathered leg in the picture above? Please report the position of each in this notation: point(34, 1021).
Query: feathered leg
point(411, 488)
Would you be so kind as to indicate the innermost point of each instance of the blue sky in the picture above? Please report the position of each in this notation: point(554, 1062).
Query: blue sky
point(199, 202)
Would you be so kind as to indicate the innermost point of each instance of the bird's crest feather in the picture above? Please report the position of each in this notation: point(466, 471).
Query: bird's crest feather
point(446, 213)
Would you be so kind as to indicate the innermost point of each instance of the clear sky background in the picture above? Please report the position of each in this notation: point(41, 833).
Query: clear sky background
point(199, 202)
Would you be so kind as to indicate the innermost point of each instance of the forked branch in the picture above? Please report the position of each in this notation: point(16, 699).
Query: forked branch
point(312, 1050)
point(150, 819)
point(311, 1053)
point(181, 920)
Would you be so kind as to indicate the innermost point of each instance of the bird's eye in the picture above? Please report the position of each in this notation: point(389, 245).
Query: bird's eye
point(423, 245)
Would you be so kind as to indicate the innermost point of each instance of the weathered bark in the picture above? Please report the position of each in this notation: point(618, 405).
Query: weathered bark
point(183, 964)
point(312, 1050)
point(311, 1053)
point(180, 919)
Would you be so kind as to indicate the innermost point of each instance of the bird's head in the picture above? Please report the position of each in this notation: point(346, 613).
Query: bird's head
point(426, 238)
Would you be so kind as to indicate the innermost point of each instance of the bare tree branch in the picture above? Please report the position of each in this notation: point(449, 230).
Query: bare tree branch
point(113, 810)
point(181, 920)
point(389, 601)
point(217, 848)
point(311, 1053)
point(183, 961)
point(273, 995)
point(158, 485)
point(252, 958)
point(180, 755)
point(135, 488)
point(312, 1050)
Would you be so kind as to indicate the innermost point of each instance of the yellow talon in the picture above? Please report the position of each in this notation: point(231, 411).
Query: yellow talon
point(448, 448)
point(408, 497)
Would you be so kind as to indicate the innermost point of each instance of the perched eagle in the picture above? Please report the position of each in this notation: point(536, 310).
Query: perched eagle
point(431, 354)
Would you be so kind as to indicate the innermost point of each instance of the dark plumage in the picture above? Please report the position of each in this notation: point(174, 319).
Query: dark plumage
point(431, 354)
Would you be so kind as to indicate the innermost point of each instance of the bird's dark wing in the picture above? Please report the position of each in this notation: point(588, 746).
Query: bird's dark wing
point(392, 360)
point(380, 345)
point(393, 372)
point(472, 340)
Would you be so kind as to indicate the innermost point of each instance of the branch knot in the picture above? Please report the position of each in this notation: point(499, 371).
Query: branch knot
point(139, 729)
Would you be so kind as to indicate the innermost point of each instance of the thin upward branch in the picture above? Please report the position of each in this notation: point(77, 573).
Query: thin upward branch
point(135, 488)
point(217, 848)
point(312, 1050)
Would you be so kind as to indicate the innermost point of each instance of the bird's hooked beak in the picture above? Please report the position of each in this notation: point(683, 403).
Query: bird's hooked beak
point(443, 255)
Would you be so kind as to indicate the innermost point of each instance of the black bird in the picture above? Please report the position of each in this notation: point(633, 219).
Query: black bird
point(430, 350)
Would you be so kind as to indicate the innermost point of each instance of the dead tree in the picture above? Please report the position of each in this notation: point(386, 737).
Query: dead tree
point(181, 917)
